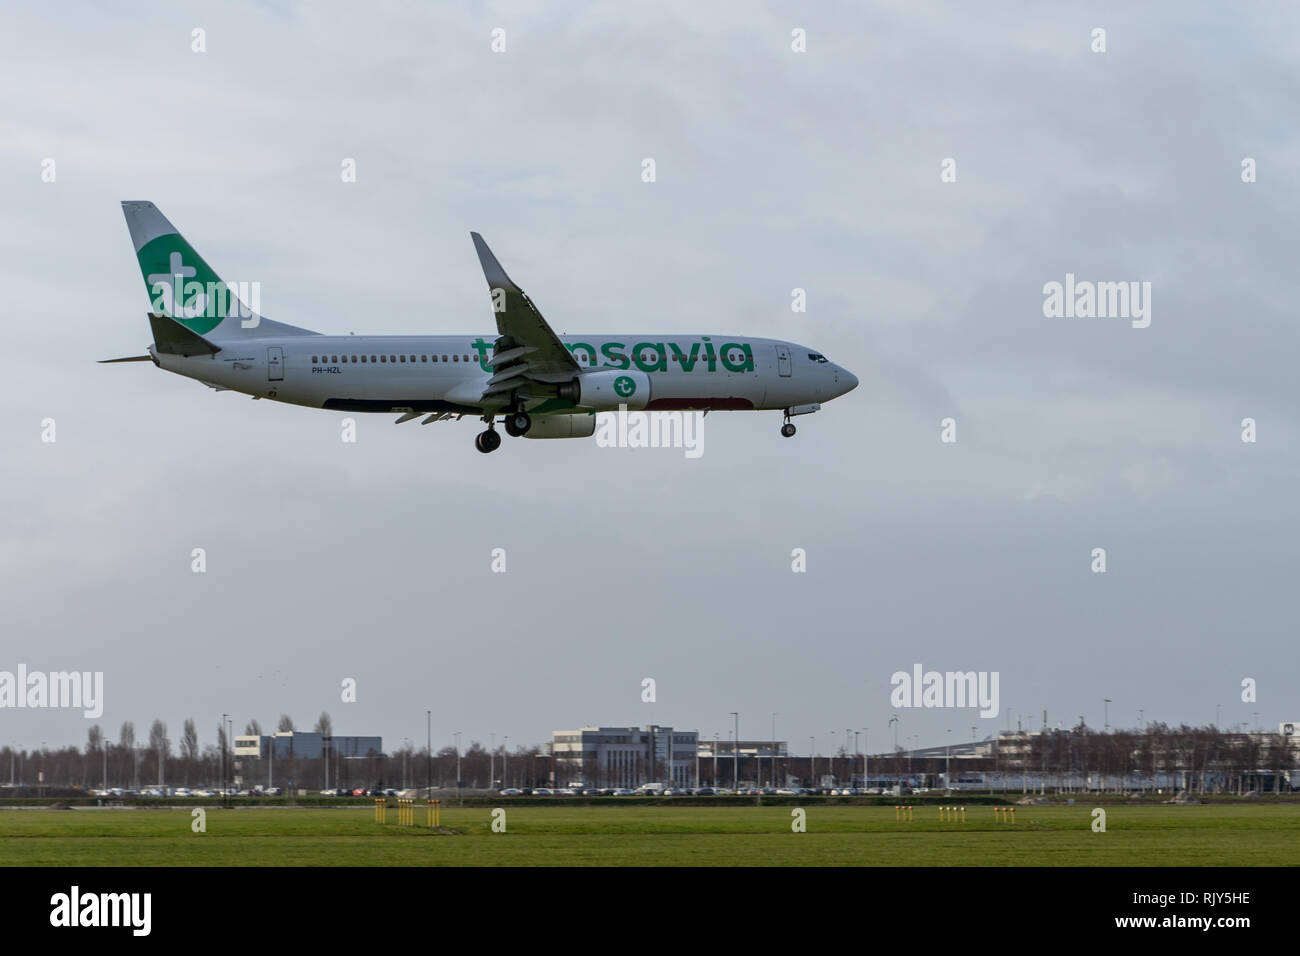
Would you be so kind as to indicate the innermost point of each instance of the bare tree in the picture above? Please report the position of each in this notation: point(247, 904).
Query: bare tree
point(286, 723)
point(324, 726)
point(190, 741)
point(158, 742)
point(254, 729)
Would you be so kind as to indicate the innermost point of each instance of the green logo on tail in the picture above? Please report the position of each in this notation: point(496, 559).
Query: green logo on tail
point(181, 285)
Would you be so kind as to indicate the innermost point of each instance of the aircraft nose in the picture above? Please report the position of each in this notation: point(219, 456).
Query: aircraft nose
point(846, 380)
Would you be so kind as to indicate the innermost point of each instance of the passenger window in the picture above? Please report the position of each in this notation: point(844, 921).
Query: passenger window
point(383, 358)
point(334, 360)
point(313, 360)
point(403, 359)
point(424, 358)
point(455, 358)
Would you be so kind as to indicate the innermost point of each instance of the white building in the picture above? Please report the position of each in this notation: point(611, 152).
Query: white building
point(625, 756)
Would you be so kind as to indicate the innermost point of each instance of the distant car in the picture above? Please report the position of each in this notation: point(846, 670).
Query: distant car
point(511, 792)
point(593, 793)
point(705, 792)
point(565, 792)
point(624, 792)
point(789, 791)
point(541, 792)
point(609, 792)
point(673, 792)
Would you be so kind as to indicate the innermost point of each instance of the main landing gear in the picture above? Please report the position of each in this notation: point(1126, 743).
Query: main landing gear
point(517, 424)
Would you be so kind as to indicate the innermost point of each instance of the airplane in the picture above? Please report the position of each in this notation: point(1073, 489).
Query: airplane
point(539, 384)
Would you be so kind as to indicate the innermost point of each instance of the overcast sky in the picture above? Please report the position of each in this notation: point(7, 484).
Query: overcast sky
point(775, 170)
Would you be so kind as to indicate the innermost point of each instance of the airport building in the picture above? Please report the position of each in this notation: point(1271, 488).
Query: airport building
point(290, 744)
point(625, 756)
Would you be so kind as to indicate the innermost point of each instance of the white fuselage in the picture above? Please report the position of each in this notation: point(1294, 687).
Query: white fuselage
point(448, 373)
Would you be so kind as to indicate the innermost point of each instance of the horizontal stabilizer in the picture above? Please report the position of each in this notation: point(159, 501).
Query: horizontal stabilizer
point(175, 339)
point(129, 358)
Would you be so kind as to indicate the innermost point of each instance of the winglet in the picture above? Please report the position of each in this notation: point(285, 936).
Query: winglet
point(492, 271)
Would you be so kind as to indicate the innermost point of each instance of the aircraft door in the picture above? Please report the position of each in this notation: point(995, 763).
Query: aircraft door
point(783, 360)
point(275, 364)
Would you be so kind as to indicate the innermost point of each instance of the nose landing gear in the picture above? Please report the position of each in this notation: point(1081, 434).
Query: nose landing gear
point(788, 429)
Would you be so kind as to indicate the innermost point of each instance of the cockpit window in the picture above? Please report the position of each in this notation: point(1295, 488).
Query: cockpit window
point(815, 357)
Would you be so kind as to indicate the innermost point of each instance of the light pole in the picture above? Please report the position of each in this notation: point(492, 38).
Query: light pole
point(947, 767)
point(492, 762)
point(223, 751)
point(459, 798)
point(505, 760)
point(773, 768)
point(715, 759)
point(735, 755)
point(831, 756)
point(1105, 714)
point(428, 754)
point(857, 749)
point(812, 761)
point(894, 722)
point(866, 747)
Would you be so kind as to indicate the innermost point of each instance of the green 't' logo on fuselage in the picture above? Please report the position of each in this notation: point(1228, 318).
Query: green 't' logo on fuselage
point(624, 386)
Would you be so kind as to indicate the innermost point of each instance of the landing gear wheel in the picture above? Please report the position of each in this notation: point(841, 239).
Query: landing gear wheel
point(517, 424)
point(787, 430)
point(488, 441)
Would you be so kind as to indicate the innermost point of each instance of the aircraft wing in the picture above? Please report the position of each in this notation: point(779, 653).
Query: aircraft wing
point(527, 349)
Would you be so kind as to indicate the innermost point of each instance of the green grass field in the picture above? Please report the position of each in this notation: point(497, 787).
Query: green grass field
point(1214, 835)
